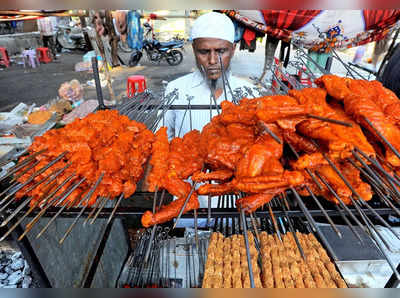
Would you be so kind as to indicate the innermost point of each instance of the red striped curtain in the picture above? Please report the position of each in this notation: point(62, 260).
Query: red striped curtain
point(289, 19)
point(380, 18)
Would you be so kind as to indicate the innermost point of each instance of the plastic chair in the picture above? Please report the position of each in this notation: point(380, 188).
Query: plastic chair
point(43, 55)
point(4, 59)
point(30, 58)
point(131, 85)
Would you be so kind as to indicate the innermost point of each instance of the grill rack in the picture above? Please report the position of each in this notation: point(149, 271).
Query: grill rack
point(195, 253)
point(219, 216)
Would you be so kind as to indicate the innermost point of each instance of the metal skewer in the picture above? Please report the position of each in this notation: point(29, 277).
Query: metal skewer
point(271, 214)
point(389, 177)
point(372, 230)
point(22, 164)
point(153, 230)
point(13, 185)
point(186, 201)
point(254, 224)
point(379, 218)
point(56, 215)
point(314, 197)
point(87, 198)
point(369, 223)
point(348, 184)
point(314, 225)
point(115, 208)
point(99, 202)
point(389, 166)
point(273, 135)
point(30, 167)
point(196, 233)
point(330, 120)
point(56, 173)
point(285, 200)
point(382, 137)
point(291, 229)
point(47, 197)
point(106, 199)
point(16, 211)
point(225, 82)
point(61, 198)
point(348, 223)
point(246, 241)
point(30, 179)
point(342, 204)
point(367, 171)
point(208, 210)
point(329, 219)
point(223, 76)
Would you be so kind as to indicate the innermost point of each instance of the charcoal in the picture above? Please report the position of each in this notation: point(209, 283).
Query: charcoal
point(26, 282)
point(17, 264)
point(16, 255)
point(3, 276)
point(27, 269)
point(8, 270)
point(15, 278)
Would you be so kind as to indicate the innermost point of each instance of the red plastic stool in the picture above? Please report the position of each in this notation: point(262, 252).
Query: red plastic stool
point(4, 57)
point(43, 55)
point(131, 85)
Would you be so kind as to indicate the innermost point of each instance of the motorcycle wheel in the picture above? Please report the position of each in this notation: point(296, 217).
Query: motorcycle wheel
point(135, 58)
point(174, 57)
point(65, 43)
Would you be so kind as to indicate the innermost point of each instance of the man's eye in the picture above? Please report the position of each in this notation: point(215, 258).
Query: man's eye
point(203, 52)
point(221, 51)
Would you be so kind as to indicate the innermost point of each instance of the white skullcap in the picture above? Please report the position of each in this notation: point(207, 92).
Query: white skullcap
point(213, 25)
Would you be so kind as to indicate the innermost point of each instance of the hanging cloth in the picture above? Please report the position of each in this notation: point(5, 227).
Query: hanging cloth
point(248, 41)
point(135, 31)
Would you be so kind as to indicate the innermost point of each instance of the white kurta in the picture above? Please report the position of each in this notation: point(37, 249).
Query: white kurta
point(195, 85)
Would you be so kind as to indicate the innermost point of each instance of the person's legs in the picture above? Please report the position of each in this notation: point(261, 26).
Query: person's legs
point(49, 43)
point(52, 46)
point(45, 41)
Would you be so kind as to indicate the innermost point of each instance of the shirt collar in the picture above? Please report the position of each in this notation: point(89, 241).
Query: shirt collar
point(198, 78)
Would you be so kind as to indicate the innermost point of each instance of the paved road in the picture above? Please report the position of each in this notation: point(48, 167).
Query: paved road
point(37, 85)
point(41, 84)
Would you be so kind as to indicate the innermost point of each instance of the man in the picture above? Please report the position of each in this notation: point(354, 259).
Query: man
point(46, 27)
point(213, 37)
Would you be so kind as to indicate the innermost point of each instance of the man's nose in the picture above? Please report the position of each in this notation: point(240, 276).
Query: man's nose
point(213, 57)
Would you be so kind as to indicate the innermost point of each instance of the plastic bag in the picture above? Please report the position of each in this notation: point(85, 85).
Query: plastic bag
point(83, 66)
point(72, 91)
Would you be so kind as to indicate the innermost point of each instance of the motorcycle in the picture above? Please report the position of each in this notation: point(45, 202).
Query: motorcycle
point(156, 51)
point(70, 38)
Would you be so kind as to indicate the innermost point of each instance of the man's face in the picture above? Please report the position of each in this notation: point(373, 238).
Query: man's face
point(207, 51)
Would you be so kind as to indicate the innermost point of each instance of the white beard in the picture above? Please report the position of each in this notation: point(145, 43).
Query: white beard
point(218, 83)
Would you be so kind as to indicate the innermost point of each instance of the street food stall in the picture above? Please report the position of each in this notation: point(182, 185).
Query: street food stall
point(304, 179)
